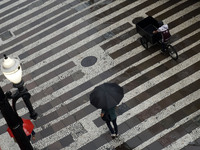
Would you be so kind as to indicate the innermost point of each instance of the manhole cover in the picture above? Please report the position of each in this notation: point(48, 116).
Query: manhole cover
point(136, 20)
point(88, 61)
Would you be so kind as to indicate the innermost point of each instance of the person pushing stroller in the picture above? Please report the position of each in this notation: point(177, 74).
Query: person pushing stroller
point(165, 34)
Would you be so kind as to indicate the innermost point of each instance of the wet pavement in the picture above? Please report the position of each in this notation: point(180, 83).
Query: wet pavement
point(69, 47)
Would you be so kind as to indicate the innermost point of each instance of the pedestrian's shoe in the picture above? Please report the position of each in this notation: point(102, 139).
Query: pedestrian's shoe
point(116, 135)
point(163, 51)
point(113, 135)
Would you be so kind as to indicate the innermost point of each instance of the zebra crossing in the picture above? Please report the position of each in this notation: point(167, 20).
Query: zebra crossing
point(160, 109)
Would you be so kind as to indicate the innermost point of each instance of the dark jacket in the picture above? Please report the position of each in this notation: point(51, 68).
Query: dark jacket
point(111, 112)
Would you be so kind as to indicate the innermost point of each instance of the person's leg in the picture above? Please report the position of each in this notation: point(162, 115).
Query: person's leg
point(33, 135)
point(163, 47)
point(110, 127)
point(115, 126)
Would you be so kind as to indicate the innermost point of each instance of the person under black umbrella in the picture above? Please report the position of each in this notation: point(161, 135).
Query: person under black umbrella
point(110, 116)
point(106, 97)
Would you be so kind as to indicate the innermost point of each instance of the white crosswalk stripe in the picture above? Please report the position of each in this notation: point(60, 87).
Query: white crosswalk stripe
point(10, 6)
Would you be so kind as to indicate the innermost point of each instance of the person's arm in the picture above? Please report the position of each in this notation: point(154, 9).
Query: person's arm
point(102, 113)
point(156, 31)
point(33, 135)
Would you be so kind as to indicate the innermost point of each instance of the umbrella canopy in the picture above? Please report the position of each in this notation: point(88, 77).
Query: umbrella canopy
point(106, 96)
point(27, 127)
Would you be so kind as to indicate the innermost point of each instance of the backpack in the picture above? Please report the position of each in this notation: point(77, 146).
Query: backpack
point(165, 35)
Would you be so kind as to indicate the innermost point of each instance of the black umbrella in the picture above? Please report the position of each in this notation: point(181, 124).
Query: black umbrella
point(106, 96)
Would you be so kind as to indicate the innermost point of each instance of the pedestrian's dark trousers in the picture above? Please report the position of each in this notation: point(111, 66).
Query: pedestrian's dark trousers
point(110, 127)
point(163, 46)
